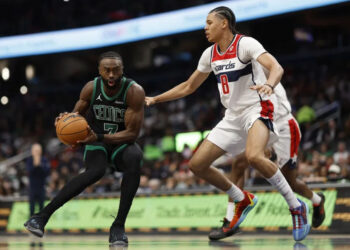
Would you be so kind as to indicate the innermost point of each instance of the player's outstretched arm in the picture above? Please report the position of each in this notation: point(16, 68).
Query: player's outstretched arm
point(181, 90)
point(133, 117)
point(275, 73)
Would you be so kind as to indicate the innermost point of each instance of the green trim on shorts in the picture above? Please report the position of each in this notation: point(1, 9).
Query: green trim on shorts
point(126, 90)
point(93, 92)
point(92, 148)
point(115, 152)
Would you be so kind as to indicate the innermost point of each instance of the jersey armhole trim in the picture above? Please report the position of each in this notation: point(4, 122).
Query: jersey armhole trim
point(94, 91)
point(116, 95)
point(126, 91)
point(238, 51)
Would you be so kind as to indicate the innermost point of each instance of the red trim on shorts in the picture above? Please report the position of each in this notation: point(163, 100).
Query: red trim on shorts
point(294, 137)
point(267, 109)
point(230, 53)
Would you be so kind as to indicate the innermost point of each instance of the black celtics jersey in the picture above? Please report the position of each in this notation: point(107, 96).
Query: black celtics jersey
point(106, 114)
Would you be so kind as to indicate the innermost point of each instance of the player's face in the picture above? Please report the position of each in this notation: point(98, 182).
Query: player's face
point(111, 71)
point(214, 27)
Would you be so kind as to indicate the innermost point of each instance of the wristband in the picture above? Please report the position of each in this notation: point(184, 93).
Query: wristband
point(269, 86)
point(100, 137)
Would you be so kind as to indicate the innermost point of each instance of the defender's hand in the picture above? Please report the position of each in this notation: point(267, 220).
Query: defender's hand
point(149, 101)
point(263, 89)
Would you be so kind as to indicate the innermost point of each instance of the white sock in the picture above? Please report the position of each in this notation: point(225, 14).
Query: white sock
point(229, 210)
point(278, 181)
point(235, 193)
point(316, 199)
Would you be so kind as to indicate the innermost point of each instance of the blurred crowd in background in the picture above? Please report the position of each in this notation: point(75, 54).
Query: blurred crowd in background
point(317, 81)
point(323, 154)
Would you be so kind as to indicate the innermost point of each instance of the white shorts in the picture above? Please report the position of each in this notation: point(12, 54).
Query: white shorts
point(286, 148)
point(230, 134)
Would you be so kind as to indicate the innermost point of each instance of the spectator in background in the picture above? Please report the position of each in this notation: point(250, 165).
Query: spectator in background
point(334, 173)
point(341, 156)
point(320, 101)
point(325, 152)
point(306, 113)
point(38, 169)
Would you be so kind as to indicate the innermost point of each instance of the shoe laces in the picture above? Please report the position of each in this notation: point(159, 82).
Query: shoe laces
point(225, 222)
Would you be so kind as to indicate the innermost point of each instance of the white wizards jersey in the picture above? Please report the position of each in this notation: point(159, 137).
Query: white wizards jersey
point(236, 70)
point(284, 108)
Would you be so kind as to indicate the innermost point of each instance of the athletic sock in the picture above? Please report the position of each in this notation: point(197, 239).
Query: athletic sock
point(316, 199)
point(229, 211)
point(278, 181)
point(235, 193)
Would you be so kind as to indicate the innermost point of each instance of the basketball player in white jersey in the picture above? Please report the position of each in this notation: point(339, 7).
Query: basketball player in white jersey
point(246, 93)
point(286, 149)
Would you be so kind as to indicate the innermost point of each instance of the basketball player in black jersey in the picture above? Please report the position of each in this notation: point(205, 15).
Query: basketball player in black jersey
point(113, 106)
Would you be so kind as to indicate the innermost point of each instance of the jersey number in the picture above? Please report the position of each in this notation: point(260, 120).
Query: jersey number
point(224, 84)
point(110, 128)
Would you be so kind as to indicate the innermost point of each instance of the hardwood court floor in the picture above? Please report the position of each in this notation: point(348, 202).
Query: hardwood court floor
point(188, 242)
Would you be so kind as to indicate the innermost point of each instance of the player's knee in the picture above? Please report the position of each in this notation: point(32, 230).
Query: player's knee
point(253, 158)
point(194, 167)
point(134, 154)
point(197, 168)
point(134, 159)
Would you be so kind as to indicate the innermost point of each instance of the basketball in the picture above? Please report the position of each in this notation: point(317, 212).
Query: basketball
point(71, 128)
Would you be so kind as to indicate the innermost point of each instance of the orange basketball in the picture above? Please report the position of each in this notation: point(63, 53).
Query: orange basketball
point(71, 128)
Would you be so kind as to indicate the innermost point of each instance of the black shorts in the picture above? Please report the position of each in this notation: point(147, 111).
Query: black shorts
point(110, 150)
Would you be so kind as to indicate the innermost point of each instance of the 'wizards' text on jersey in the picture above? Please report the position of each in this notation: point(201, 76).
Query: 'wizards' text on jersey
point(234, 77)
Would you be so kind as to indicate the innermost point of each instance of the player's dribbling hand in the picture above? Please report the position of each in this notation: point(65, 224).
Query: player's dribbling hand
point(263, 89)
point(149, 101)
point(91, 137)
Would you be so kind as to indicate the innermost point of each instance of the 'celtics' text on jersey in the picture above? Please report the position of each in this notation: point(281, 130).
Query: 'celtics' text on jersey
point(106, 114)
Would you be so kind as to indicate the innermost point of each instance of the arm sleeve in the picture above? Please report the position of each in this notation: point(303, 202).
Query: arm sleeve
point(204, 61)
point(249, 49)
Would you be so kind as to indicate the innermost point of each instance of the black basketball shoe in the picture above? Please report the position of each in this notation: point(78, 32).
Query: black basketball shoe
point(222, 232)
point(117, 235)
point(319, 213)
point(36, 225)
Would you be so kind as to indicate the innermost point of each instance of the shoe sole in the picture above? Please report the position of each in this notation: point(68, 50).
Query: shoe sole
point(34, 231)
point(245, 212)
point(307, 230)
point(225, 235)
point(118, 243)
